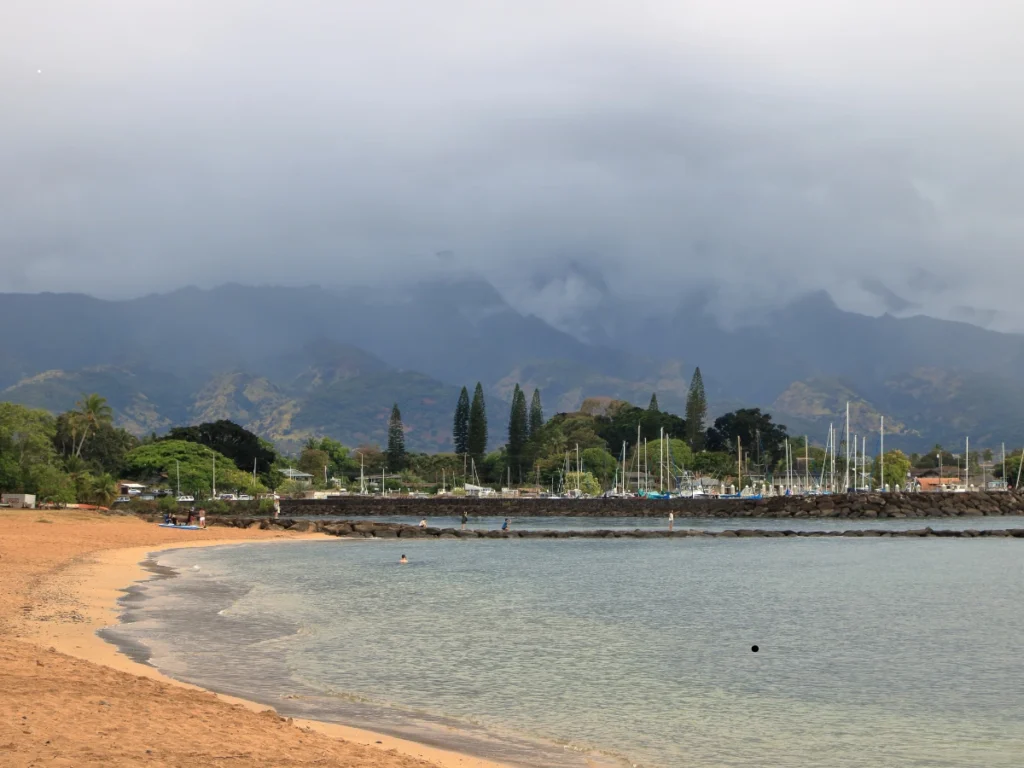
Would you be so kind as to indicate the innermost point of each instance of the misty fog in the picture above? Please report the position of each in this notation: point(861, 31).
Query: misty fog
point(562, 150)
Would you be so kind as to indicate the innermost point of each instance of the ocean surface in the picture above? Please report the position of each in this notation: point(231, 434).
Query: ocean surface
point(876, 652)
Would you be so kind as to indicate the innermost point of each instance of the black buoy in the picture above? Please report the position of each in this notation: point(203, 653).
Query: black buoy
point(754, 648)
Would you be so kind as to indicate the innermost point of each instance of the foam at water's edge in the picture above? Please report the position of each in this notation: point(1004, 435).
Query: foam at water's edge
point(169, 578)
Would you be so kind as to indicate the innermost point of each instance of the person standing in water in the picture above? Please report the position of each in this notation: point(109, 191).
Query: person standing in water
point(465, 519)
point(506, 525)
point(403, 560)
point(671, 520)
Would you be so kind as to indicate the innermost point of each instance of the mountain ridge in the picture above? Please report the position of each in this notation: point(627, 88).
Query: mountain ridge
point(298, 361)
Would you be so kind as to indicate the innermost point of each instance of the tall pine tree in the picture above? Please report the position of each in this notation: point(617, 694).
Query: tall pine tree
point(518, 428)
point(396, 440)
point(653, 407)
point(536, 415)
point(476, 443)
point(696, 412)
point(460, 431)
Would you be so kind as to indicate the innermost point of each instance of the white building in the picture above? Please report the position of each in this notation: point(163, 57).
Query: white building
point(18, 500)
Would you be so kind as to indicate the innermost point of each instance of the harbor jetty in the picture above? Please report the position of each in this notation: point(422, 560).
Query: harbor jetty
point(852, 506)
point(378, 529)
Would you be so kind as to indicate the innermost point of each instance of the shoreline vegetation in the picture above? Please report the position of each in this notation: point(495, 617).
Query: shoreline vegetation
point(71, 698)
point(606, 447)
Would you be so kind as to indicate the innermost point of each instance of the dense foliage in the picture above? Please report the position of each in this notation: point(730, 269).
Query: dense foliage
point(460, 428)
point(518, 429)
point(190, 466)
point(396, 440)
point(476, 444)
point(248, 451)
point(696, 412)
point(63, 459)
point(762, 441)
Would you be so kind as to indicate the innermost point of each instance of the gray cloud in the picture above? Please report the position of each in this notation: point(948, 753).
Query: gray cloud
point(777, 147)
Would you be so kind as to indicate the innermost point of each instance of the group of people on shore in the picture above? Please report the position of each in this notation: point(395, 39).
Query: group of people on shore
point(193, 518)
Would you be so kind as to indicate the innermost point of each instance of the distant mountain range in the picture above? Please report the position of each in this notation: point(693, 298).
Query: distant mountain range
point(295, 362)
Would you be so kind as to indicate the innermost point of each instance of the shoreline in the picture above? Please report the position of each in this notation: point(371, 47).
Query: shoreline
point(100, 578)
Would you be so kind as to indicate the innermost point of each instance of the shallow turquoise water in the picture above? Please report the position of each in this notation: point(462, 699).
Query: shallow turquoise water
point(872, 652)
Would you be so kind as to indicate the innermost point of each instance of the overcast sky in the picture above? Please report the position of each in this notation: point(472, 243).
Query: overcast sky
point(776, 146)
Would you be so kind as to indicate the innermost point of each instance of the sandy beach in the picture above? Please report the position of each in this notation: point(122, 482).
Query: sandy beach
point(70, 699)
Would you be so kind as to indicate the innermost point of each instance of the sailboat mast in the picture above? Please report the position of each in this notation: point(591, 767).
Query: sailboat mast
point(739, 465)
point(647, 472)
point(846, 446)
point(807, 464)
point(215, 476)
point(177, 471)
point(967, 465)
point(864, 464)
point(831, 458)
point(856, 444)
point(881, 454)
point(624, 484)
point(661, 460)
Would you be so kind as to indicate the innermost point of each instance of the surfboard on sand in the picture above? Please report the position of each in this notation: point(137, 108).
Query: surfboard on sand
point(182, 527)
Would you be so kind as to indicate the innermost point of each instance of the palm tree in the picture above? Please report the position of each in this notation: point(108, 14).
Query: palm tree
point(93, 412)
point(103, 490)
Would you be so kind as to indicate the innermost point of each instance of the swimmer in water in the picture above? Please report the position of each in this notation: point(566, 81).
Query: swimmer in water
point(403, 560)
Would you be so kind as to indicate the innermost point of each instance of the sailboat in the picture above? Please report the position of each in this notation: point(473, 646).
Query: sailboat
point(181, 499)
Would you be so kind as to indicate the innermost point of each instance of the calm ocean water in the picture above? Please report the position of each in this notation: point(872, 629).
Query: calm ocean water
point(549, 653)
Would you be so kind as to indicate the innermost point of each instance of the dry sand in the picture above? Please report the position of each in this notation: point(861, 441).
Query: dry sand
point(67, 698)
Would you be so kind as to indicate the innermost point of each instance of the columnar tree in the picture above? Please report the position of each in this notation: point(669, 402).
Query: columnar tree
point(653, 406)
point(518, 428)
point(536, 414)
point(396, 440)
point(460, 430)
point(476, 442)
point(696, 412)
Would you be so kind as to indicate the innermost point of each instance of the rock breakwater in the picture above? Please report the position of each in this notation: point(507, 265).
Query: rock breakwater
point(383, 530)
point(850, 506)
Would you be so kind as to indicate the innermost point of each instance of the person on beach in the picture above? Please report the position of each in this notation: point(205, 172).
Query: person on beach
point(671, 520)
point(277, 509)
point(202, 517)
point(191, 515)
point(403, 560)
point(506, 525)
point(465, 519)
point(423, 523)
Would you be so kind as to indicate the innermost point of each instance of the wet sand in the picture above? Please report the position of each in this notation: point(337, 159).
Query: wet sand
point(71, 699)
